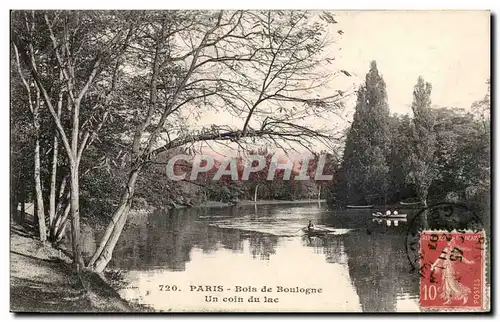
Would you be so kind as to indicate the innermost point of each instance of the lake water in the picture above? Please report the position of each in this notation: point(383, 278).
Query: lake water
point(361, 266)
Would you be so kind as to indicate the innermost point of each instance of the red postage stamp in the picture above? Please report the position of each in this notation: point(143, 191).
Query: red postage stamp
point(452, 270)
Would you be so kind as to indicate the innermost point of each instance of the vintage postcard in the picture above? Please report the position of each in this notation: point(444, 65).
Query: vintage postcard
point(250, 161)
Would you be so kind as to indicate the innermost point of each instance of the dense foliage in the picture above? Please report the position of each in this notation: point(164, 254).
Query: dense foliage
point(437, 154)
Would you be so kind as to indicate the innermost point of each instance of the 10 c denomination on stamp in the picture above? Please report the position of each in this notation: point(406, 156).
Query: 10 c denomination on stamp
point(452, 269)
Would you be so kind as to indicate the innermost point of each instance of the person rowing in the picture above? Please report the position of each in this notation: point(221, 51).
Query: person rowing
point(310, 227)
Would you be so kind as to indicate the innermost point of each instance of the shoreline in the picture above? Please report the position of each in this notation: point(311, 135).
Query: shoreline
point(212, 204)
point(42, 280)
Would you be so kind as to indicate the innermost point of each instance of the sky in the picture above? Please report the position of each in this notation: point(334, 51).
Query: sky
point(449, 49)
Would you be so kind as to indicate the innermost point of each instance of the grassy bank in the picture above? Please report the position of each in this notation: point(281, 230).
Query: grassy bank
point(41, 280)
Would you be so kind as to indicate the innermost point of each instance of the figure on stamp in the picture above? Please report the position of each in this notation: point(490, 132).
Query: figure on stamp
point(452, 288)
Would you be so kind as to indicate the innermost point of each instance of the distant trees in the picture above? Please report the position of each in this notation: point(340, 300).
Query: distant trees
point(462, 156)
point(330, 167)
point(258, 187)
point(258, 179)
point(482, 185)
point(438, 153)
point(364, 165)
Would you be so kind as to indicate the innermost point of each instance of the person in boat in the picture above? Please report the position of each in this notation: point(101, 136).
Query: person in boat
point(388, 213)
point(310, 226)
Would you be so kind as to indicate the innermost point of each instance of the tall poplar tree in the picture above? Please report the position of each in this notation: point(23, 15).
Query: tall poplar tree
point(422, 160)
point(364, 163)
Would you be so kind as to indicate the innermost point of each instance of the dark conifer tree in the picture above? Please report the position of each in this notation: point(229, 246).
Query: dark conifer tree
point(364, 163)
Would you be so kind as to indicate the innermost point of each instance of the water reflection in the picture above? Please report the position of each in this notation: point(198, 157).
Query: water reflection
point(378, 269)
point(361, 266)
point(262, 246)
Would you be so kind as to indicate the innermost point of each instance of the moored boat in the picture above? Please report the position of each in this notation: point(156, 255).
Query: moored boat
point(410, 203)
point(397, 216)
point(359, 207)
point(391, 216)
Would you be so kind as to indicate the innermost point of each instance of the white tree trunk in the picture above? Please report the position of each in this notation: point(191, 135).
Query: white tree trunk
point(53, 178)
point(75, 218)
point(22, 197)
point(40, 212)
point(103, 254)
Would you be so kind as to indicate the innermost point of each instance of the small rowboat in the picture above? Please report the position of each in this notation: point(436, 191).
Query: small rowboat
point(398, 216)
point(391, 216)
point(360, 207)
point(316, 231)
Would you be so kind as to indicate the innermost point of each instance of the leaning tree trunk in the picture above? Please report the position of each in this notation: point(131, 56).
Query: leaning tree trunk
point(103, 254)
point(60, 227)
point(62, 199)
